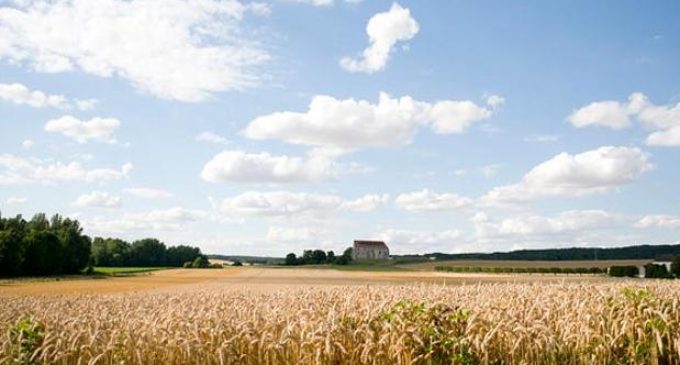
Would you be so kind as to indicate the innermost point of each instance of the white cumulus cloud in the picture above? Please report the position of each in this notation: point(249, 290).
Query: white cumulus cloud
point(426, 200)
point(313, 2)
point(20, 94)
point(243, 167)
point(175, 49)
point(286, 203)
point(384, 31)
point(611, 113)
point(668, 137)
point(96, 129)
point(568, 221)
point(171, 219)
point(15, 200)
point(211, 137)
point(663, 119)
point(279, 203)
point(351, 124)
point(19, 170)
point(365, 203)
point(148, 193)
point(593, 171)
point(407, 241)
point(99, 199)
point(298, 234)
point(658, 221)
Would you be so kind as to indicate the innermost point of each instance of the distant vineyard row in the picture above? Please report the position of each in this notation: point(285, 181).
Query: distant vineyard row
point(650, 270)
point(524, 270)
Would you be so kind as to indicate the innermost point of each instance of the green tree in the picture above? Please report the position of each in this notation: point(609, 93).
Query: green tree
point(348, 253)
point(318, 257)
point(42, 253)
point(291, 259)
point(307, 258)
point(330, 257)
point(148, 252)
point(76, 247)
point(177, 255)
point(100, 253)
point(675, 266)
point(11, 253)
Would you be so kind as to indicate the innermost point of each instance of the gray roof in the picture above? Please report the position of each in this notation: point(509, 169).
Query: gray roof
point(377, 244)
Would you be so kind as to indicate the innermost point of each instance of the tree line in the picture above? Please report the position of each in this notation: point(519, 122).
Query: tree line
point(319, 257)
point(148, 252)
point(55, 246)
point(638, 252)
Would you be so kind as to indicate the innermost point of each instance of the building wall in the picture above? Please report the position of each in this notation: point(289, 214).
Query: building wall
point(370, 253)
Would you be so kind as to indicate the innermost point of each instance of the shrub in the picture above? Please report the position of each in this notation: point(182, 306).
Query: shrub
point(26, 336)
point(675, 266)
point(623, 271)
point(200, 262)
point(656, 271)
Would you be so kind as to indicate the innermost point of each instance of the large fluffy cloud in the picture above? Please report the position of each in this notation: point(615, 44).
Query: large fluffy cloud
point(593, 171)
point(426, 200)
point(19, 170)
point(96, 129)
point(176, 49)
point(351, 124)
point(664, 119)
point(286, 203)
point(384, 31)
point(243, 167)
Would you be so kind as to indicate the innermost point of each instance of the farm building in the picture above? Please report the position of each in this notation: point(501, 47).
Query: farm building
point(370, 250)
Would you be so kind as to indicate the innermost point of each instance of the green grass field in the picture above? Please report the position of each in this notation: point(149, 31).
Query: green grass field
point(125, 271)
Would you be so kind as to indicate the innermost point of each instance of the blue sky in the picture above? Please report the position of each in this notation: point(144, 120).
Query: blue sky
point(268, 127)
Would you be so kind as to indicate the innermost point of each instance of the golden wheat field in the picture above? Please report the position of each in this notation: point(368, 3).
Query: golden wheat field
point(373, 322)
